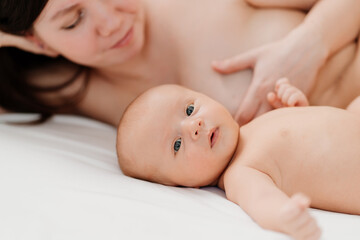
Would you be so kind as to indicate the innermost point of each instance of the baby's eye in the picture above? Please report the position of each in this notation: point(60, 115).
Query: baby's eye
point(177, 145)
point(190, 109)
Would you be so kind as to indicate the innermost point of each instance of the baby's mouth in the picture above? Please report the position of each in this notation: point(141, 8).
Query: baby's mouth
point(213, 136)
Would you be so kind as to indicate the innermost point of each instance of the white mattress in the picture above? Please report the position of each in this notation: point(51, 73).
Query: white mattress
point(60, 180)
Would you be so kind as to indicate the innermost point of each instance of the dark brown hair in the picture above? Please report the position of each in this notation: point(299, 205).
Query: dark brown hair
point(17, 92)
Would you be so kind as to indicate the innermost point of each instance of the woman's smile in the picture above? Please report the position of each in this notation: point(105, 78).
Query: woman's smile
point(124, 41)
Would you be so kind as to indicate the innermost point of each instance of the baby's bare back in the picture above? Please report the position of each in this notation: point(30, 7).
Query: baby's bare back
point(314, 150)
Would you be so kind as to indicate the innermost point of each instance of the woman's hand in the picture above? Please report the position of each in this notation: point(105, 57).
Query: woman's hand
point(25, 44)
point(296, 57)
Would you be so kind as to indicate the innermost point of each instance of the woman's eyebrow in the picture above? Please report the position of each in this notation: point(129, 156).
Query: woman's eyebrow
point(64, 12)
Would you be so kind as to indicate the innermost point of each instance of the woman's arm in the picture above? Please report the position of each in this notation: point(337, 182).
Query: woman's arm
point(329, 26)
point(335, 22)
point(338, 22)
point(298, 4)
point(256, 193)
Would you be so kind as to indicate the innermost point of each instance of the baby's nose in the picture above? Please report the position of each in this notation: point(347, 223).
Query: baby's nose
point(194, 127)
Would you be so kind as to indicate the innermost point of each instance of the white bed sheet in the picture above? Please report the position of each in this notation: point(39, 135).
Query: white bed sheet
point(60, 180)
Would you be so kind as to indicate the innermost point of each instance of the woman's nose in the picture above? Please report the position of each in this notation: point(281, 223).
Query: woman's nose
point(108, 18)
point(193, 127)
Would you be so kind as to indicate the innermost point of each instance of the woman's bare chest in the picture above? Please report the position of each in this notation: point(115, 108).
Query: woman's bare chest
point(220, 32)
point(194, 36)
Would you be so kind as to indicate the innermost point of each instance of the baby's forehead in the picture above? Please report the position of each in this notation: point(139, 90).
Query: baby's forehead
point(154, 110)
point(160, 102)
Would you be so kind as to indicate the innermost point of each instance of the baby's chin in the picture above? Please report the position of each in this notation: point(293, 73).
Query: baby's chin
point(197, 183)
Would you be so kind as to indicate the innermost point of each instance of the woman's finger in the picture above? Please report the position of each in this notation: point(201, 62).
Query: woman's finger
point(246, 112)
point(21, 42)
point(249, 106)
point(236, 63)
point(263, 108)
point(24, 44)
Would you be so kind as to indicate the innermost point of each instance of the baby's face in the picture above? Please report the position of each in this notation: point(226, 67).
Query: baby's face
point(185, 138)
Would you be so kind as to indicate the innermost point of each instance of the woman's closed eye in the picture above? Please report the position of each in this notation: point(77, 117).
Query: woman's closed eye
point(190, 109)
point(79, 16)
point(177, 145)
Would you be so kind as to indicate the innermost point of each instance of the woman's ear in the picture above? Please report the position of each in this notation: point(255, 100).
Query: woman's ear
point(37, 46)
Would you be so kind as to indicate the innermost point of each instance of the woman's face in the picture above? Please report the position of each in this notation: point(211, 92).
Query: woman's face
point(95, 33)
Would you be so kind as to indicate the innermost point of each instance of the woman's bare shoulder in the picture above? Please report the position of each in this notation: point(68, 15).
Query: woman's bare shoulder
point(107, 100)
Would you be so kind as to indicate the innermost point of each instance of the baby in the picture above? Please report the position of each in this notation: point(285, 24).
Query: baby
point(270, 167)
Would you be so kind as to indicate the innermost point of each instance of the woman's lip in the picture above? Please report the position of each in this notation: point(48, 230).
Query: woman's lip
point(213, 136)
point(125, 40)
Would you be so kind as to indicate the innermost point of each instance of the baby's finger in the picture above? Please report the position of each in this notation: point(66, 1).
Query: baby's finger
point(290, 212)
point(309, 230)
point(298, 99)
point(301, 221)
point(314, 235)
point(296, 206)
point(271, 97)
point(294, 100)
point(280, 90)
point(273, 100)
point(287, 94)
point(280, 82)
point(301, 200)
point(302, 100)
point(296, 225)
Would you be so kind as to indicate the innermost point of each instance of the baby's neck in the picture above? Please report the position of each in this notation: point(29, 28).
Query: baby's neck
point(220, 180)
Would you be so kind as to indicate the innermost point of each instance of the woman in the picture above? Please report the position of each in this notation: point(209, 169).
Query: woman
point(129, 46)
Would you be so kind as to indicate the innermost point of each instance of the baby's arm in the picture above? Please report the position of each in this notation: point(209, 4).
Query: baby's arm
point(256, 193)
point(286, 95)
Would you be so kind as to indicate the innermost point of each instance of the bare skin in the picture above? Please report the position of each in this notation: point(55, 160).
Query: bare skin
point(287, 151)
point(179, 47)
point(327, 28)
point(274, 168)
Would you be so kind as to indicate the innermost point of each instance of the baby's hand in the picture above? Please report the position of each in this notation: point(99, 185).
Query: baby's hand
point(286, 95)
point(296, 220)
